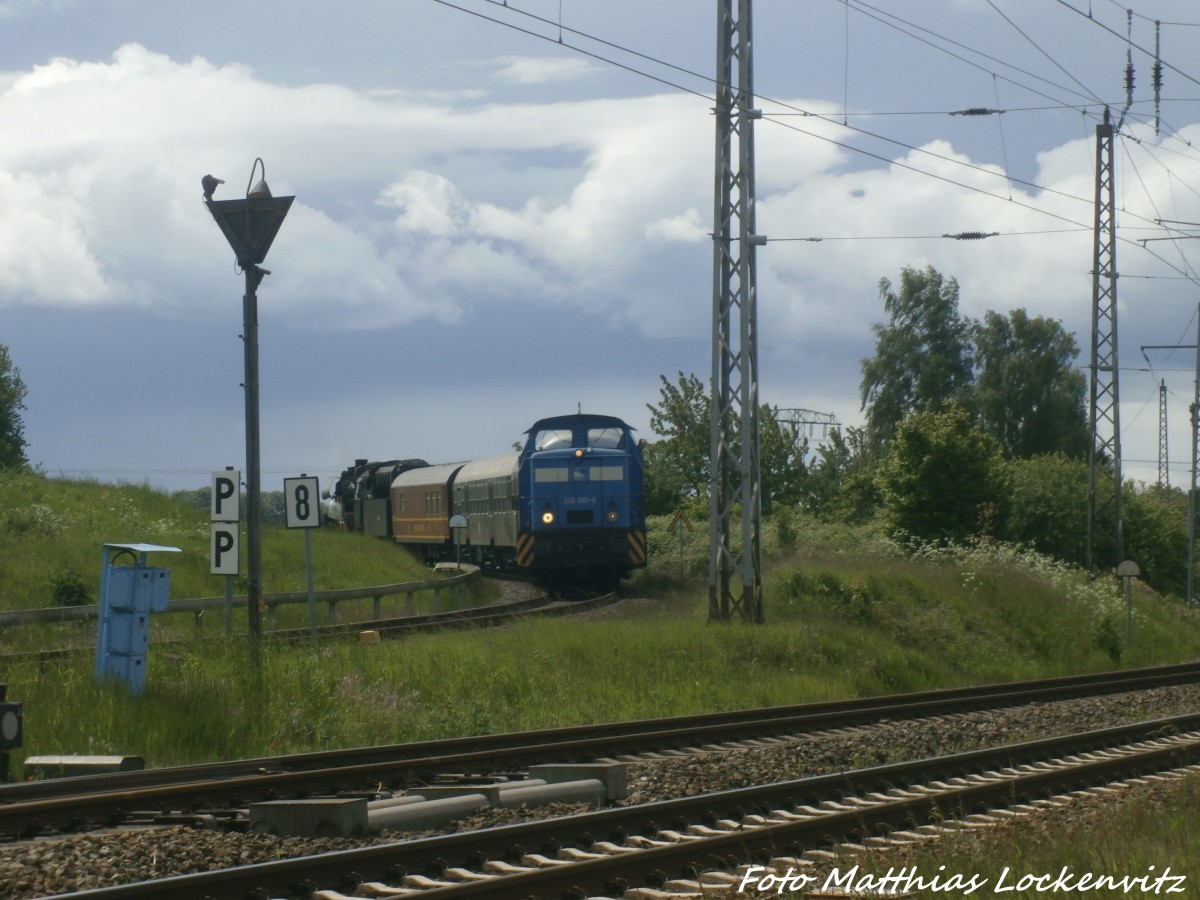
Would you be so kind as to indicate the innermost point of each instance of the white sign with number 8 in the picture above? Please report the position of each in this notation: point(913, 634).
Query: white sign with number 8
point(302, 502)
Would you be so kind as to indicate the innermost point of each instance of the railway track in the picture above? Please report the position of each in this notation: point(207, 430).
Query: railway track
point(493, 615)
point(222, 789)
point(675, 846)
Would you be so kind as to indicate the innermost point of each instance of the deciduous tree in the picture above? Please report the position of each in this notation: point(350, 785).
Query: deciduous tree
point(1027, 393)
point(841, 483)
point(677, 467)
point(781, 453)
point(922, 358)
point(1049, 505)
point(12, 403)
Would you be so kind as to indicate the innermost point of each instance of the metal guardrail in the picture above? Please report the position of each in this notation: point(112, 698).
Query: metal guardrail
point(271, 601)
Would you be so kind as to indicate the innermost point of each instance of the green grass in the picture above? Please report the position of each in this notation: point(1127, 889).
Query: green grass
point(1146, 835)
point(836, 627)
point(52, 532)
point(848, 614)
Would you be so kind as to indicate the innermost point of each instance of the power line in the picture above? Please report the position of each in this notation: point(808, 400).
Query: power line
point(1140, 49)
point(770, 116)
point(805, 113)
point(1138, 15)
point(1037, 47)
point(883, 16)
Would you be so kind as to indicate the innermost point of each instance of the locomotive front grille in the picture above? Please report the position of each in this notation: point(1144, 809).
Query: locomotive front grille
point(580, 517)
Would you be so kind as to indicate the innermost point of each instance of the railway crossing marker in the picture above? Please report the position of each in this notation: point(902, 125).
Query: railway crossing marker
point(302, 509)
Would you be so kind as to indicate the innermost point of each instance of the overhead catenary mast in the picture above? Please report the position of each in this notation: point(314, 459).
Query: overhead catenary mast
point(1104, 454)
point(735, 475)
point(1164, 477)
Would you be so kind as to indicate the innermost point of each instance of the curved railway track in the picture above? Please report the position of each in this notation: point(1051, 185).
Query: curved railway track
point(70, 804)
point(492, 615)
point(670, 845)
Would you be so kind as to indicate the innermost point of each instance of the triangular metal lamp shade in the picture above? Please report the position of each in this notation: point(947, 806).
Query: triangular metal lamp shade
point(250, 225)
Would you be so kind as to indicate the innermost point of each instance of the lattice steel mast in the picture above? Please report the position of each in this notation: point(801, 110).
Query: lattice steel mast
point(735, 487)
point(1194, 416)
point(1104, 516)
point(1164, 476)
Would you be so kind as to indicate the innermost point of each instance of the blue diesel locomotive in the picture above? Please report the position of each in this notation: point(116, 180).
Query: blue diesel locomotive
point(581, 503)
point(568, 508)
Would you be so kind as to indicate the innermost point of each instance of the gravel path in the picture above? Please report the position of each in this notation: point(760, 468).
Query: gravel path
point(40, 868)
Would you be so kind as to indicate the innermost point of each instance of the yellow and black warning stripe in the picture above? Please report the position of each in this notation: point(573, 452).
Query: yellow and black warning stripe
point(525, 548)
point(637, 547)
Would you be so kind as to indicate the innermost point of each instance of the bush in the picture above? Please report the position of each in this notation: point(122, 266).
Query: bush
point(67, 588)
point(940, 472)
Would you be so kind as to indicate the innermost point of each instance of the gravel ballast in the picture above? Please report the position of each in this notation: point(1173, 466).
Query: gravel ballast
point(39, 868)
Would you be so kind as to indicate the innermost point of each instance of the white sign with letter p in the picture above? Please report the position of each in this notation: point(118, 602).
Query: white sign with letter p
point(224, 547)
point(226, 504)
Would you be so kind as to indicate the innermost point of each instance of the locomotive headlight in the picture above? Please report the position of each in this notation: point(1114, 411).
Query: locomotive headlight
point(612, 512)
point(548, 515)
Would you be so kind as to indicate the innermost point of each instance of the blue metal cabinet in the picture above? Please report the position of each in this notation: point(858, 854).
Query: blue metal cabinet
point(128, 595)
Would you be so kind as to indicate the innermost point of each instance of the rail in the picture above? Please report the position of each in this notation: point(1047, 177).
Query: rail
point(271, 601)
point(611, 851)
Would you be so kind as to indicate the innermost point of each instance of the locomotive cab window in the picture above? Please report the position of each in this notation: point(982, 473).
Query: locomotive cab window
point(605, 438)
point(552, 439)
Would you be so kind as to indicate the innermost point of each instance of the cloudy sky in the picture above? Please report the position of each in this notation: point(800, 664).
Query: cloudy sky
point(503, 210)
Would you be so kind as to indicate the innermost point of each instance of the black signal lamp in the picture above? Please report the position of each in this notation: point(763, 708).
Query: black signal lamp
point(12, 726)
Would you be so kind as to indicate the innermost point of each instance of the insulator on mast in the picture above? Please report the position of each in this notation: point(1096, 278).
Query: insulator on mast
point(1156, 75)
point(971, 235)
point(1128, 60)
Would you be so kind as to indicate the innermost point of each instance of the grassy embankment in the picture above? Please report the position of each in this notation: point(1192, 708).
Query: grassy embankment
point(847, 614)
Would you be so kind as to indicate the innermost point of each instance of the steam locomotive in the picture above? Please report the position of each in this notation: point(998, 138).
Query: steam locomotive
point(566, 508)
